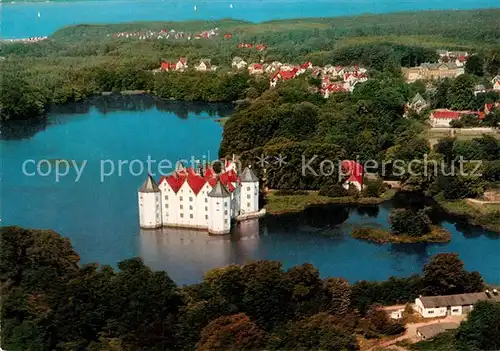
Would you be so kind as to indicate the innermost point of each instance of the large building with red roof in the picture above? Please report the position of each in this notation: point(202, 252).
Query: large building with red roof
point(201, 199)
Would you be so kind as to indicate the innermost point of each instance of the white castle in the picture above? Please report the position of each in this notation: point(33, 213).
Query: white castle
point(199, 199)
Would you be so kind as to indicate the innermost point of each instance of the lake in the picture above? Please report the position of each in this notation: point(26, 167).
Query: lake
point(100, 217)
point(20, 19)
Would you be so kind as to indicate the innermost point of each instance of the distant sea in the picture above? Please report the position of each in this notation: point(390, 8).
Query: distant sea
point(20, 19)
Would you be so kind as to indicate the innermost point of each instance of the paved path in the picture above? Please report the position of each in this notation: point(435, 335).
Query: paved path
point(411, 332)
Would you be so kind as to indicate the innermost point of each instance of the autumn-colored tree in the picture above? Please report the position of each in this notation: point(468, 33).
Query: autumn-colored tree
point(380, 323)
point(235, 332)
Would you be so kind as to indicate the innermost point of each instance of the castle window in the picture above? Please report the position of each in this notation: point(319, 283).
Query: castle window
point(225, 203)
point(190, 199)
point(248, 196)
point(191, 215)
point(181, 207)
point(182, 215)
point(190, 207)
point(225, 221)
point(206, 200)
point(206, 208)
point(206, 216)
point(248, 204)
point(248, 188)
point(225, 212)
point(180, 198)
point(166, 197)
point(166, 205)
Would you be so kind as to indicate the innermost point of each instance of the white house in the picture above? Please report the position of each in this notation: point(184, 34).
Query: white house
point(496, 83)
point(454, 305)
point(479, 89)
point(181, 65)
point(205, 66)
point(238, 63)
point(200, 199)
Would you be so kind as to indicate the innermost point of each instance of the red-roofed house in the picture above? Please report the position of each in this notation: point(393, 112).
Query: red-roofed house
point(488, 108)
point(461, 61)
point(260, 47)
point(354, 174)
point(255, 68)
point(333, 88)
point(282, 75)
point(228, 36)
point(441, 118)
point(166, 66)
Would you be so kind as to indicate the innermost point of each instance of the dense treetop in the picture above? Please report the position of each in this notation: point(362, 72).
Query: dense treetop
point(50, 302)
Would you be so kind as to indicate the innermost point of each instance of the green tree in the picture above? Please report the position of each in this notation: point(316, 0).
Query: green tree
point(445, 275)
point(461, 92)
point(405, 221)
point(475, 65)
point(318, 332)
point(481, 330)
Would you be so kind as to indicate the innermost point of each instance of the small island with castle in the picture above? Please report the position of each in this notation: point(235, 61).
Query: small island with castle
point(200, 198)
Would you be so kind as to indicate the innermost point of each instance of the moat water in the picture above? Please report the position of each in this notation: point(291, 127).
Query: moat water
point(100, 217)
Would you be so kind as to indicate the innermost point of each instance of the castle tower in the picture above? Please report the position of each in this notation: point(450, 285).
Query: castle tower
point(219, 208)
point(249, 192)
point(150, 204)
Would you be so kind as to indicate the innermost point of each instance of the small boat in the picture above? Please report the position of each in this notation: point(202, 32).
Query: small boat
point(230, 6)
point(38, 14)
point(195, 8)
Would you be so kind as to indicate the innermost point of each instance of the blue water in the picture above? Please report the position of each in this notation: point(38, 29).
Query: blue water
point(19, 20)
point(101, 220)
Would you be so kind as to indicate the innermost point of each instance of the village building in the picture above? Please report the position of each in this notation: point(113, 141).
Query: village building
point(488, 108)
point(417, 104)
point(256, 68)
point(200, 199)
point(452, 305)
point(441, 118)
point(496, 83)
point(282, 75)
point(238, 63)
point(354, 174)
point(430, 331)
point(332, 89)
point(181, 64)
point(432, 71)
point(205, 66)
point(479, 89)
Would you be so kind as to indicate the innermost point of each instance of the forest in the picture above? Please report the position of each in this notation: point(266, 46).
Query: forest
point(85, 60)
point(52, 302)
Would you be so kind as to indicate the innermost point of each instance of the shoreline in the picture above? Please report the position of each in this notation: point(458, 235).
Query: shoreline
point(462, 210)
point(288, 204)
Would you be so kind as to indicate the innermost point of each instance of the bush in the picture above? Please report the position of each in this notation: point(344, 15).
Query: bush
point(333, 190)
point(374, 188)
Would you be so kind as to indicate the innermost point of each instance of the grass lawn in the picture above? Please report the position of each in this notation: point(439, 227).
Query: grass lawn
point(487, 216)
point(277, 203)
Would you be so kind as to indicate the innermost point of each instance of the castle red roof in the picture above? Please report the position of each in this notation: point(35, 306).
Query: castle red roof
point(196, 182)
